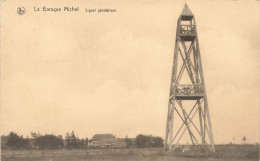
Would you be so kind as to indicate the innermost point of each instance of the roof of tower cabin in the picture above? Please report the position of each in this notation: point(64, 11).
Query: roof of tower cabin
point(186, 13)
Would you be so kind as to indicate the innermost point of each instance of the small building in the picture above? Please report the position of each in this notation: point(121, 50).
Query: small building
point(107, 141)
point(102, 140)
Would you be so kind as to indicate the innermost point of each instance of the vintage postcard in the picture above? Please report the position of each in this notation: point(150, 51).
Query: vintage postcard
point(129, 80)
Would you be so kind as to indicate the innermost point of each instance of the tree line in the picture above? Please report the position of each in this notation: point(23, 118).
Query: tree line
point(39, 141)
point(71, 141)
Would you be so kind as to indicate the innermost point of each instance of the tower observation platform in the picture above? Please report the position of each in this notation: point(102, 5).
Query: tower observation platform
point(188, 92)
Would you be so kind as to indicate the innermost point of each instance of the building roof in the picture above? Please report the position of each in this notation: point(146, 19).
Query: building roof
point(186, 11)
point(99, 137)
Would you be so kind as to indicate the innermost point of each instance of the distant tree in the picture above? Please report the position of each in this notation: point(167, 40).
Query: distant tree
point(71, 140)
point(15, 141)
point(3, 141)
point(89, 141)
point(148, 141)
point(244, 140)
point(140, 140)
point(158, 141)
point(34, 135)
point(49, 141)
point(128, 142)
point(67, 139)
point(81, 143)
point(86, 141)
point(60, 141)
point(60, 137)
point(78, 143)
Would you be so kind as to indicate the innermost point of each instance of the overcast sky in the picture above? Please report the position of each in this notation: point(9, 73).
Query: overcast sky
point(110, 72)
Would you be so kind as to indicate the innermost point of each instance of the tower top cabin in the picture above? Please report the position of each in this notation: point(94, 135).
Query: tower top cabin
point(186, 25)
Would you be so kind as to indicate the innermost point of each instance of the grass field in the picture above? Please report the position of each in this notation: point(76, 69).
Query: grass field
point(223, 153)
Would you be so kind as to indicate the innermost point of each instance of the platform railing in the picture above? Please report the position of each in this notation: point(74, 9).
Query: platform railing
point(187, 29)
point(188, 89)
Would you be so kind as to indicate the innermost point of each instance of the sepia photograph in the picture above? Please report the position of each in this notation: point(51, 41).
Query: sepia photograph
point(139, 80)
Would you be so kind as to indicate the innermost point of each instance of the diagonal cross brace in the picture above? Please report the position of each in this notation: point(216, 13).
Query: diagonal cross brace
point(184, 129)
point(186, 60)
point(185, 118)
point(185, 122)
point(183, 65)
point(192, 123)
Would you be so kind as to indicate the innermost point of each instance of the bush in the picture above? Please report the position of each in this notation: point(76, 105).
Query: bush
point(49, 142)
point(148, 141)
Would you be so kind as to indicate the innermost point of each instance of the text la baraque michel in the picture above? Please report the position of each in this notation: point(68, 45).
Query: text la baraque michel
point(53, 9)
